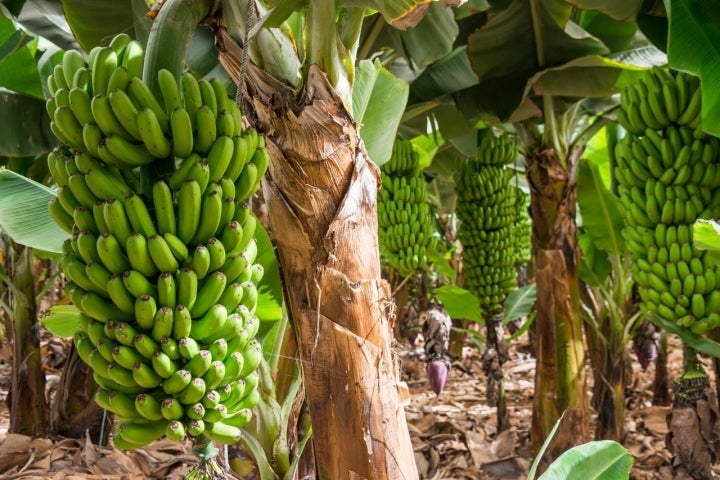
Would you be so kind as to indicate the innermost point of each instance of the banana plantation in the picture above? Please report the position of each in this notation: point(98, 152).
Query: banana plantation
point(346, 239)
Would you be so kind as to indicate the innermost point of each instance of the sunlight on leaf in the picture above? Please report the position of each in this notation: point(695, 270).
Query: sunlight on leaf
point(520, 303)
point(24, 213)
point(459, 303)
point(63, 320)
point(694, 46)
point(598, 460)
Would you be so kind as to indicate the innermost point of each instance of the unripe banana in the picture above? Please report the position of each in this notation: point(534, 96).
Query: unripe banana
point(145, 311)
point(163, 365)
point(201, 261)
point(182, 132)
point(167, 290)
point(182, 322)
point(164, 208)
point(209, 294)
point(143, 97)
point(189, 207)
point(206, 132)
point(161, 254)
point(163, 326)
point(211, 321)
point(148, 406)
point(120, 295)
point(138, 284)
point(177, 382)
point(152, 134)
point(145, 376)
point(138, 254)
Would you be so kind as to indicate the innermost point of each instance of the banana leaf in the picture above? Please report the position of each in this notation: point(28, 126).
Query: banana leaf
point(598, 460)
point(24, 213)
point(270, 295)
point(379, 100)
point(698, 342)
point(460, 303)
point(95, 23)
point(694, 46)
point(26, 125)
point(45, 19)
point(602, 213)
point(63, 320)
point(520, 303)
point(18, 71)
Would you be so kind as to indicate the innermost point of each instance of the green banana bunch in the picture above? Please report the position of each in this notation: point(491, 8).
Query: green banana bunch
point(167, 283)
point(487, 210)
point(668, 177)
point(523, 228)
point(404, 216)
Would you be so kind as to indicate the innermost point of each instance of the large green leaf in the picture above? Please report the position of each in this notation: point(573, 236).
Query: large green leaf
point(700, 343)
point(446, 76)
point(96, 23)
point(459, 303)
point(18, 70)
point(25, 124)
point(522, 51)
point(694, 46)
point(598, 460)
point(379, 100)
point(624, 10)
point(270, 294)
point(398, 13)
point(45, 19)
point(63, 320)
point(520, 302)
point(24, 213)
point(602, 213)
point(440, 26)
point(512, 40)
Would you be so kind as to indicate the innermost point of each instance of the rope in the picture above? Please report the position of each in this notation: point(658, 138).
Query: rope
point(249, 22)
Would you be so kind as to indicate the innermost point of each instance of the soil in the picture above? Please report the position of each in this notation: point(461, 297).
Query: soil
point(454, 433)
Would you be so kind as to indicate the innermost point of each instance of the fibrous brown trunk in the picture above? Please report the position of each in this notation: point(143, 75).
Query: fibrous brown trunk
point(560, 373)
point(321, 195)
point(28, 407)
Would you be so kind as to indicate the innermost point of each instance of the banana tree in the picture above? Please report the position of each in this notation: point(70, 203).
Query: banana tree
point(606, 285)
point(530, 63)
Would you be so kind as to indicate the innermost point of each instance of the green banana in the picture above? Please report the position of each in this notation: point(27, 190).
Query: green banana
point(138, 284)
point(163, 326)
point(148, 406)
point(142, 96)
point(161, 254)
point(182, 322)
point(177, 382)
point(209, 294)
point(125, 110)
point(206, 132)
point(201, 261)
point(212, 321)
point(152, 133)
point(164, 208)
point(167, 290)
point(145, 376)
point(138, 254)
point(163, 365)
point(187, 287)
point(189, 210)
point(182, 132)
point(194, 392)
point(145, 311)
point(209, 218)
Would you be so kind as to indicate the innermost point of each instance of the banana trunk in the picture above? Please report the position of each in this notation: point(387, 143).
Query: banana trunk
point(560, 379)
point(321, 194)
